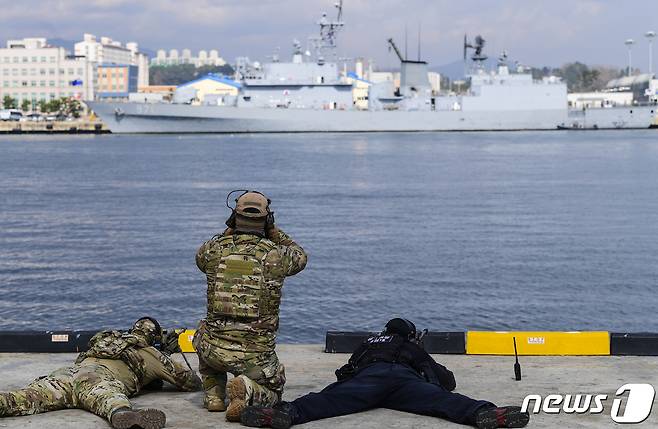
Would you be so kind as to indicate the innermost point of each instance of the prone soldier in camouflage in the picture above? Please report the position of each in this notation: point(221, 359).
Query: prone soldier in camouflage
point(245, 267)
point(116, 366)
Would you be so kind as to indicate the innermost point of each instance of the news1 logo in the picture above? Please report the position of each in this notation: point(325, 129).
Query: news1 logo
point(637, 408)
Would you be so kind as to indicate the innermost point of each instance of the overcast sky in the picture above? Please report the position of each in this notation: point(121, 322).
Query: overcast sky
point(535, 32)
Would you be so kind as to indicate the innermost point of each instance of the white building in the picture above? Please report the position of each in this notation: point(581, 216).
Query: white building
point(593, 100)
point(30, 69)
point(204, 58)
point(108, 51)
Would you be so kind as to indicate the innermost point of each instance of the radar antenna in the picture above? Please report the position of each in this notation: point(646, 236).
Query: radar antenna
point(502, 59)
point(391, 45)
point(328, 33)
point(478, 57)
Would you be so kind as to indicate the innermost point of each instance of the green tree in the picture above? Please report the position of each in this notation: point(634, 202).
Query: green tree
point(54, 105)
point(26, 105)
point(70, 107)
point(9, 102)
point(181, 73)
point(43, 106)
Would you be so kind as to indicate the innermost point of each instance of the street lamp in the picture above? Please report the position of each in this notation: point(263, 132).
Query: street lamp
point(650, 35)
point(629, 43)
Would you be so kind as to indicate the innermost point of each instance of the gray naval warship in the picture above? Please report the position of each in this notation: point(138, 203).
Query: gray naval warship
point(308, 94)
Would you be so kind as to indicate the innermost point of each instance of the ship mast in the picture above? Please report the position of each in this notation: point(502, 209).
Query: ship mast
point(325, 44)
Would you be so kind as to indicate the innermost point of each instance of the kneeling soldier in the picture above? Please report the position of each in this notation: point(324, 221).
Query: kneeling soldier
point(116, 366)
point(390, 370)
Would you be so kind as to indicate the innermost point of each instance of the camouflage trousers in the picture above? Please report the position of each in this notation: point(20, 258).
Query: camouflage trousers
point(89, 387)
point(265, 375)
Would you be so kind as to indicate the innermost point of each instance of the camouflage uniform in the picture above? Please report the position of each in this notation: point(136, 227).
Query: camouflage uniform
point(115, 367)
point(245, 276)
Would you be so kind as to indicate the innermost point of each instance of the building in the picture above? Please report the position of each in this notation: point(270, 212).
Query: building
point(593, 100)
point(108, 51)
point(209, 89)
point(116, 81)
point(202, 59)
point(31, 69)
point(639, 85)
point(360, 89)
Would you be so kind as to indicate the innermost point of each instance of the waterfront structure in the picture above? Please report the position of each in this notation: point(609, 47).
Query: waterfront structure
point(599, 99)
point(209, 89)
point(639, 85)
point(203, 58)
point(105, 51)
point(31, 69)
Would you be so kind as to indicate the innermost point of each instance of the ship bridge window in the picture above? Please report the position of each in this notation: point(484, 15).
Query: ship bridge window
point(247, 98)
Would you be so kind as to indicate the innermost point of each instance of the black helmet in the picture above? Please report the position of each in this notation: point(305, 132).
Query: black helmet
point(402, 327)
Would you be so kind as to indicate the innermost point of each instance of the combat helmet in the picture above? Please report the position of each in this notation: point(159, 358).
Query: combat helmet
point(402, 327)
point(148, 328)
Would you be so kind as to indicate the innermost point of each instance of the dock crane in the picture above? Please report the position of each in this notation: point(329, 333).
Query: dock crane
point(391, 45)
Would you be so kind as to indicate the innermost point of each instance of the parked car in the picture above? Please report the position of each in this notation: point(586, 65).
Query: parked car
point(35, 117)
point(11, 115)
point(56, 117)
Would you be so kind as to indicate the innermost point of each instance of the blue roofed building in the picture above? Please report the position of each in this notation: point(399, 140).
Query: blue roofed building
point(209, 89)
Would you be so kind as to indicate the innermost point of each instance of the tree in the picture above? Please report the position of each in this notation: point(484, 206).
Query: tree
point(70, 107)
point(54, 105)
point(181, 73)
point(9, 103)
point(26, 105)
point(43, 106)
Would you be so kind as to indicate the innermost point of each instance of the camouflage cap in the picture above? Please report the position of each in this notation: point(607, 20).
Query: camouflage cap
point(252, 205)
point(148, 328)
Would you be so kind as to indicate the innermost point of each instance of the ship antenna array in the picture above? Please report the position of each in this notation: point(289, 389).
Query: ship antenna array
point(478, 57)
point(328, 33)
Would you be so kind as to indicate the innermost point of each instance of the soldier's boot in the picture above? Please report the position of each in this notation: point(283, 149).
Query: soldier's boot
point(239, 391)
point(148, 418)
point(213, 399)
point(4, 405)
point(215, 392)
point(281, 416)
point(501, 417)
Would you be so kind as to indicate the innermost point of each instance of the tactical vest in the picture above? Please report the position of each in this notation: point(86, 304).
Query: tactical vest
point(377, 348)
point(240, 287)
point(117, 346)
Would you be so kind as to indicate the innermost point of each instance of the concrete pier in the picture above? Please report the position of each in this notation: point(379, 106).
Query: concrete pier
point(79, 126)
point(309, 369)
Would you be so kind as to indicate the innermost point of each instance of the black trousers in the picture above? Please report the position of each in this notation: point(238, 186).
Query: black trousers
point(386, 385)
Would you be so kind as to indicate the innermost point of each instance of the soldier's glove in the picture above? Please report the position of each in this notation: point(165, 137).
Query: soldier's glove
point(170, 341)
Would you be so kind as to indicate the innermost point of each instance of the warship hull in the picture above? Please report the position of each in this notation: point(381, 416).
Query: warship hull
point(181, 118)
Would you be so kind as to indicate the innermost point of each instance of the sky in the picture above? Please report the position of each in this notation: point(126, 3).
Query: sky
point(533, 32)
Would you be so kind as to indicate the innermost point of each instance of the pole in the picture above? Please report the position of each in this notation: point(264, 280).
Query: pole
point(629, 43)
point(650, 35)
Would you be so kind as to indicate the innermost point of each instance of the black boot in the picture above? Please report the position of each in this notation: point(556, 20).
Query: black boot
point(148, 418)
point(501, 417)
point(278, 417)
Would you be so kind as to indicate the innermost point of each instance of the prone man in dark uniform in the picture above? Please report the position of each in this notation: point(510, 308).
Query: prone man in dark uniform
point(389, 370)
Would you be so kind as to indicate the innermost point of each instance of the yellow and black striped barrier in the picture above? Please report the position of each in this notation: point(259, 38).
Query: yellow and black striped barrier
point(538, 343)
